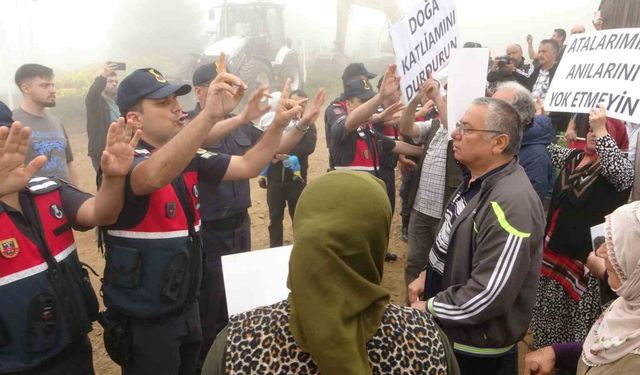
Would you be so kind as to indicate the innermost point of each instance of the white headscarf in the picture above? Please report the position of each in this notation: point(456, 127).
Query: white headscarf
point(617, 332)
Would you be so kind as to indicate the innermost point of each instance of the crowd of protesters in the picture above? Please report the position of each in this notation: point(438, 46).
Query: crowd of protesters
point(497, 211)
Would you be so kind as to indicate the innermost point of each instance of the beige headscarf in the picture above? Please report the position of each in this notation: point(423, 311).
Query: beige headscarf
point(341, 232)
point(617, 332)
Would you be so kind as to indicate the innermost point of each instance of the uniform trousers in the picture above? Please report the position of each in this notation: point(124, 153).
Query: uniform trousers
point(280, 194)
point(216, 242)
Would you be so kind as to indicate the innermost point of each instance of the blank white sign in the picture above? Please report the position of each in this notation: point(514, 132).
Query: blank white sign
point(255, 278)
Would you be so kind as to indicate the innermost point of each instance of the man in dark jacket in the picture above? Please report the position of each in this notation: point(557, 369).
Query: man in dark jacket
point(282, 189)
point(513, 69)
point(101, 111)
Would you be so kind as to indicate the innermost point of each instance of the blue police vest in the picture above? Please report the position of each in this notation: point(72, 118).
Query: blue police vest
point(47, 299)
point(154, 269)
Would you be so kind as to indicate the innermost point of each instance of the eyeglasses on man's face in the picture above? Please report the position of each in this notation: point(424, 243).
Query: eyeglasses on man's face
point(462, 129)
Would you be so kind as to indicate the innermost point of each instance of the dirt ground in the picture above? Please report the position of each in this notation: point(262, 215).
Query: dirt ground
point(318, 162)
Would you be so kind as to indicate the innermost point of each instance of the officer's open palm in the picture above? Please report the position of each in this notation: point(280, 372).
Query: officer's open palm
point(117, 156)
point(390, 83)
point(287, 109)
point(14, 145)
point(255, 107)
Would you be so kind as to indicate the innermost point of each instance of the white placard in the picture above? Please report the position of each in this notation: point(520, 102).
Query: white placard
point(255, 278)
point(601, 66)
point(467, 81)
point(423, 40)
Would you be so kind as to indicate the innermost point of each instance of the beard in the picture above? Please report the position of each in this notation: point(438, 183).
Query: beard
point(50, 103)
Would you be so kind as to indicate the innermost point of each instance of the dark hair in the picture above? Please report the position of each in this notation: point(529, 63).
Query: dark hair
point(299, 93)
point(29, 71)
point(597, 242)
point(552, 43)
point(562, 33)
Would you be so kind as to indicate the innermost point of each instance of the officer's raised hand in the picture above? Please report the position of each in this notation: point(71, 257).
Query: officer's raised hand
point(117, 156)
point(225, 92)
point(14, 144)
point(287, 109)
point(255, 107)
point(390, 82)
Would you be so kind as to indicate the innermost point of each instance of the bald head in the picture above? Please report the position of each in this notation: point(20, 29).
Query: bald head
point(514, 51)
point(577, 29)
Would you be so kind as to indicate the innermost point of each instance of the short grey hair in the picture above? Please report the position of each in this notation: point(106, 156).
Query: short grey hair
point(504, 118)
point(523, 102)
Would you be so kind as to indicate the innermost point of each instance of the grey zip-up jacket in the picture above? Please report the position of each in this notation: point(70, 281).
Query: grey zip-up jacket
point(493, 265)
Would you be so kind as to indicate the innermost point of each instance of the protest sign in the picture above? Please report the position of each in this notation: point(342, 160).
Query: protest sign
point(467, 81)
point(423, 40)
point(255, 278)
point(599, 67)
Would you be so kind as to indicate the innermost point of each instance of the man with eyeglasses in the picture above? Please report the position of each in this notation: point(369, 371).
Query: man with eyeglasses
point(480, 282)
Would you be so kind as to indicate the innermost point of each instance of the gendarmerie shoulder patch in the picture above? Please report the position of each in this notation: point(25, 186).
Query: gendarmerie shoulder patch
point(41, 185)
point(206, 154)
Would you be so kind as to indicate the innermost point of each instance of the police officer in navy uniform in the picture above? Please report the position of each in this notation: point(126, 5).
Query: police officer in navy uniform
point(154, 252)
point(226, 226)
point(338, 108)
point(48, 303)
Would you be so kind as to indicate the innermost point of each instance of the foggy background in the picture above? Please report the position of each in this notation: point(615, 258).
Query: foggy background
point(81, 34)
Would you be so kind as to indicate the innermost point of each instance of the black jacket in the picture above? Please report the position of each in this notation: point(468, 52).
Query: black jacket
point(98, 118)
point(534, 76)
point(520, 75)
point(302, 150)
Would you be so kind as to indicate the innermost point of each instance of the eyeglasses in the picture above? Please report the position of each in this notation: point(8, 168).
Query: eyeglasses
point(462, 130)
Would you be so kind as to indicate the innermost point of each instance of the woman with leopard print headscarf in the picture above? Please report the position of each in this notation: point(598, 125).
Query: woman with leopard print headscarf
point(337, 319)
point(592, 183)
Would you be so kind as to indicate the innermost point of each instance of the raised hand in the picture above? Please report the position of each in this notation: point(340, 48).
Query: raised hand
point(390, 82)
point(529, 39)
point(598, 120)
point(255, 108)
point(430, 89)
point(311, 115)
point(108, 69)
point(14, 145)
point(287, 109)
point(117, 156)
point(391, 115)
point(225, 92)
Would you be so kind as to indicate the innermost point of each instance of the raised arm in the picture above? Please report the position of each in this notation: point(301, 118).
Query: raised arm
point(363, 113)
point(293, 137)
point(14, 174)
point(165, 164)
point(251, 163)
point(115, 163)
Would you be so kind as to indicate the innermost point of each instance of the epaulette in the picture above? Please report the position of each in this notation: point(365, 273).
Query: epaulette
point(205, 154)
point(42, 185)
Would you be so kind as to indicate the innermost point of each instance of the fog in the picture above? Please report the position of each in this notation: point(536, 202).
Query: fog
point(68, 34)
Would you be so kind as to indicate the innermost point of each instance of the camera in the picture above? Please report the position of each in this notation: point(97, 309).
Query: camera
point(503, 61)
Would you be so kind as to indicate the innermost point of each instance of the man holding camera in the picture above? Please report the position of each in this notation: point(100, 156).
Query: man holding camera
point(511, 67)
point(102, 110)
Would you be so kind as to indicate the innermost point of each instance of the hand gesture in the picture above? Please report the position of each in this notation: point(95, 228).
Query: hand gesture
point(430, 89)
point(570, 135)
point(540, 362)
point(406, 164)
point(311, 115)
point(426, 109)
point(287, 109)
point(539, 107)
point(598, 120)
point(225, 92)
point(14, 145)
point(416, 288)
point(255, 107)
point(390, 83)
point(530, 39)
point(392, 114)
point(108, 69)
point(117, 156)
